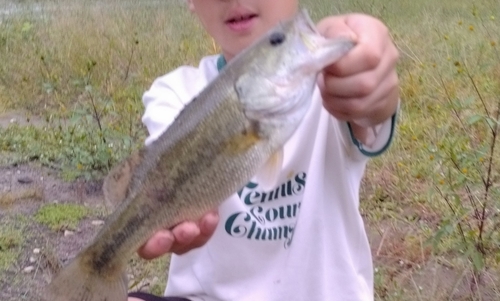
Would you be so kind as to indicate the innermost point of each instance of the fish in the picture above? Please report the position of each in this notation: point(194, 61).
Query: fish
point(233, 130)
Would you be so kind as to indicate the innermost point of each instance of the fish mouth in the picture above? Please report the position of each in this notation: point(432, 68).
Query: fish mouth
point(322, 51)
point(306, 23)
point(308, 32)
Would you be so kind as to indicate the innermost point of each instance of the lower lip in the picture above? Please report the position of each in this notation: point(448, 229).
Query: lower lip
point(241, 26)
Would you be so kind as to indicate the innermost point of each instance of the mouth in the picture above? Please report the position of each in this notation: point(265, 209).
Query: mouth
point(241, 18)
point(241, 22)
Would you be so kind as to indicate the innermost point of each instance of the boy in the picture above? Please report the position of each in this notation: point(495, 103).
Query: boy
point(351, 118)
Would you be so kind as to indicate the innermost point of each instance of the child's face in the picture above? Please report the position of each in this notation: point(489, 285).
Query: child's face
point(235, 24)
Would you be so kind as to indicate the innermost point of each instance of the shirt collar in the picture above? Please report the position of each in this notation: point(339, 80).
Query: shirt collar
point(221, 62)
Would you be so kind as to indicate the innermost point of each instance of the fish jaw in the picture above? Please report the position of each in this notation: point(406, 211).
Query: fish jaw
point(319, 52)
point(276, 92)
point(285, 71)
point(297, 86)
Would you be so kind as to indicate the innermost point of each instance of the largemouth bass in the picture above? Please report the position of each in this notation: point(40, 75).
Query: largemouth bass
point(233, 130)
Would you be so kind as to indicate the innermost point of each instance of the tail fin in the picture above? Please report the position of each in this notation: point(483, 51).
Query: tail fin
point(75, 283)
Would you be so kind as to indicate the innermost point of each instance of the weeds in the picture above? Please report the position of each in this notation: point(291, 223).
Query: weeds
point(61, 216)
point(467, 162)
point(73, 149)
point(11, 240)
point(87, 78)
point(440, 177)
point(85, 65)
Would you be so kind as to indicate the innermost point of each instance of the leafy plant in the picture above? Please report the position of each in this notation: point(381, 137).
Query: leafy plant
point(467, 161)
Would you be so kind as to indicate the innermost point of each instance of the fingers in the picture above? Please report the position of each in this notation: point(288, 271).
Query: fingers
point(159, 244)
point(362, 85)
point(375, 99)
point(196, 235)
point(357, 109)
point(336, 27)
point(373, 41)
point(182, 238)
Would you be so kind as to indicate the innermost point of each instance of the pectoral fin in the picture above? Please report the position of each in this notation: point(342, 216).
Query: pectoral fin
point(268, 175)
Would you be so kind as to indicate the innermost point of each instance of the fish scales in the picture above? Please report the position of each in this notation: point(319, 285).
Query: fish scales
point(179, 189)
point(219, 141)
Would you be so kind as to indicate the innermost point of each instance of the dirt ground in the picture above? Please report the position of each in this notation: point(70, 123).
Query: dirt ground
point(43, 251)
point(415, 274)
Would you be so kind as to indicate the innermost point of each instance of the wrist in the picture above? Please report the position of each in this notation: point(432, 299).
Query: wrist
point(373, 138)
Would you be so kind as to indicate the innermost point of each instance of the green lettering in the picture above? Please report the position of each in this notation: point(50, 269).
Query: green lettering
point(300, 180)
point(237, 230)
point(252, 229)
point(249, 185)
point(252, 198)
point(272, 214)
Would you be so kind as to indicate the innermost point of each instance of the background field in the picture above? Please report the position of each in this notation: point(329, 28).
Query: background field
point(71, 77)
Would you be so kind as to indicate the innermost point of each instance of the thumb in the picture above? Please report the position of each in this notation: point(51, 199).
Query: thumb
point(336, 27)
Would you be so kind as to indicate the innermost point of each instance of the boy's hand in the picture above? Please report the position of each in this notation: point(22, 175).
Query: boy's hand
point(180, 239)
point(362, 87)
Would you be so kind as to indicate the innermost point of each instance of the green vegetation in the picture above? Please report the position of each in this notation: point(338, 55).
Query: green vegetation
point(432, 201)
point(85, 77)
point(436, 186)
point(61, 216)
point(11, 240)
point(149, 273)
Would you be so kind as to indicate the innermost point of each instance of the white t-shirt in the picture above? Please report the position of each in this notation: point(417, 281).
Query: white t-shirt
point(302, 240)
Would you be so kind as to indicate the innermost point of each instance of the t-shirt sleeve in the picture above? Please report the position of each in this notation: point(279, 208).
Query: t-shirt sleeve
point(379, 140)
point(167, 97)
point(162, 105)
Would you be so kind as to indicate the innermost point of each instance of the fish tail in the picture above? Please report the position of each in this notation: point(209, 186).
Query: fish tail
point(76, 282)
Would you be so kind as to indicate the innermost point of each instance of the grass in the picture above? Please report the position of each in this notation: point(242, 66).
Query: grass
point(83, 67)
point(148, 273)
point(11, 241)
point(88, 89)
point(431, 184)
point(61, 216)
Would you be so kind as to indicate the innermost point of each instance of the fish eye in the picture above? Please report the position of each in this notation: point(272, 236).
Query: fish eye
point(277, 38)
